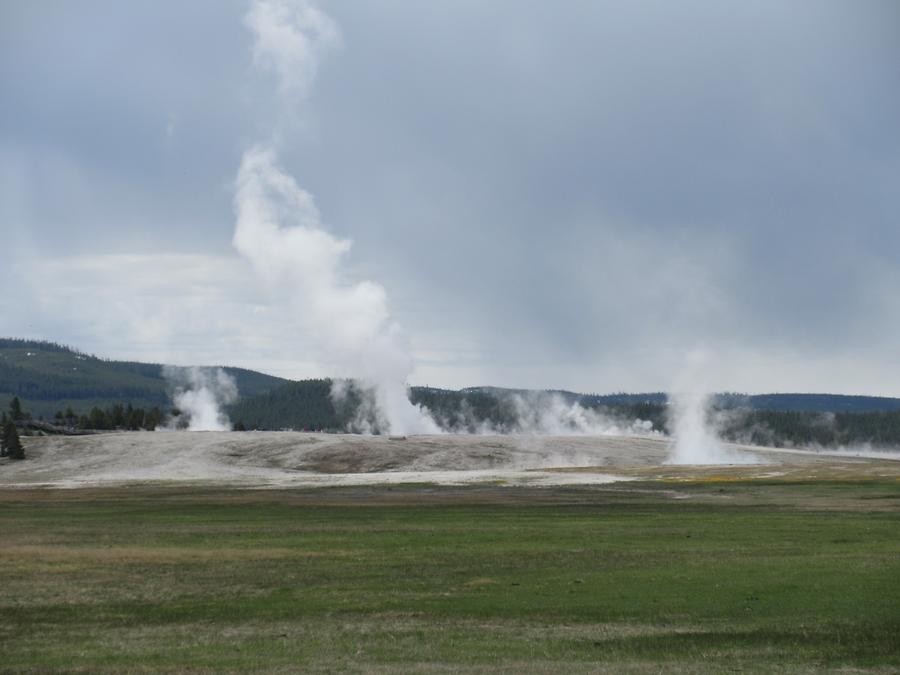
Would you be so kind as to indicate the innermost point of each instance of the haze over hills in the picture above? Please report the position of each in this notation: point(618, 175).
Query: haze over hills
point(48, 377)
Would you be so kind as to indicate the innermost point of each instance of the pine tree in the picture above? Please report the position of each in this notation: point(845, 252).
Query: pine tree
point(12, 446)
point(15, 409)
point(153, 419)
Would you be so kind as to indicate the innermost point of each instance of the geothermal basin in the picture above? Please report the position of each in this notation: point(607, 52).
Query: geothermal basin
point(295, 459)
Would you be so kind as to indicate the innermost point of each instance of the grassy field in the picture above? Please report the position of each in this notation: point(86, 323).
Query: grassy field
point(638, 577)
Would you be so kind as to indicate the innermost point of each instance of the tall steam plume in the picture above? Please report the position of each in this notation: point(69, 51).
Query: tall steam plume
point(280, 232)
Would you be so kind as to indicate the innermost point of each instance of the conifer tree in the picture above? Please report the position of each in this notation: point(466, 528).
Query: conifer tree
point(12, 446)
point(15, 409)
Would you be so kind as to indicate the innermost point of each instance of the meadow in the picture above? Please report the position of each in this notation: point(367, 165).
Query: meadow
point(697, 576)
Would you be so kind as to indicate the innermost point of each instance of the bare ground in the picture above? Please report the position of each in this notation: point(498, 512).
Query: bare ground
point(294, 459)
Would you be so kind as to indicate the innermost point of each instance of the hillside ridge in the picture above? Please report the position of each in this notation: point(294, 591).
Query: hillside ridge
point(47, 376)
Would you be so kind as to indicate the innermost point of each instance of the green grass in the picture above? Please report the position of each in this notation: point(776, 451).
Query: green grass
point(625, 578)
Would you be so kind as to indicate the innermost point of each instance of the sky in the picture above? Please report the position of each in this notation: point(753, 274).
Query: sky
point(586, 195)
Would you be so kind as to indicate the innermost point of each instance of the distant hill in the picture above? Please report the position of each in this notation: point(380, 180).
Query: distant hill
point(48, 377)
point(308, 405)
point(836, 403)
point(773, 419)
point(591, 400)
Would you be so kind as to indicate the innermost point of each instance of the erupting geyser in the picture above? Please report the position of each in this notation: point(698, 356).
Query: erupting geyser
point(695, 439)
point(200, 394)
point(279, 230)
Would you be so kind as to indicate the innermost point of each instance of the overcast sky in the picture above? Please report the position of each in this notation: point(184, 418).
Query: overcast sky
point(573, 194)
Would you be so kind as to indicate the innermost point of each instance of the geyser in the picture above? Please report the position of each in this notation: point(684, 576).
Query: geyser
point(695, 439)
point(200, 393)
point(279, 230)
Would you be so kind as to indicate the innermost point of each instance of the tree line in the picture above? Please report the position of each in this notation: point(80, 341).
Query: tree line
point(119, 416)
point(308, 405)
point(123, 417)
point(10, 443)
point(304, 405)
point(816, 429)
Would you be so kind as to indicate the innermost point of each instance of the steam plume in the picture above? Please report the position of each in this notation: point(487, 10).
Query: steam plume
point(290, 38)
point(279, 230)
point(695, 441)
point(538, 413)
point(553, 416)
point(200, 393)
point(695, 437)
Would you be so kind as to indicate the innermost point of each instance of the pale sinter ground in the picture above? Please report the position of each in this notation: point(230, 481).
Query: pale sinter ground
point(286, 459)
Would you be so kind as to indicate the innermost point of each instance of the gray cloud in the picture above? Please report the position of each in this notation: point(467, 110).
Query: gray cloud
point(571, 194)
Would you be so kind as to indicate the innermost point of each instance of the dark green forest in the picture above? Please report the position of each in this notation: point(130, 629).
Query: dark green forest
point(304, 405)
point(816, 429)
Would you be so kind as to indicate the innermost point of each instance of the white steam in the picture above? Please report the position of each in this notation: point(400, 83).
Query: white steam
point(279, 230)
point(542, 414)
point(200, 394)
point(290, 37)
point(695, 437)
point(552, 415)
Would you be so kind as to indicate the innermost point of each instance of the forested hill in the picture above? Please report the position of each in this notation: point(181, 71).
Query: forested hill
point(48, 377)
point(834, 403)
point(776, 419)
point(308, 404)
